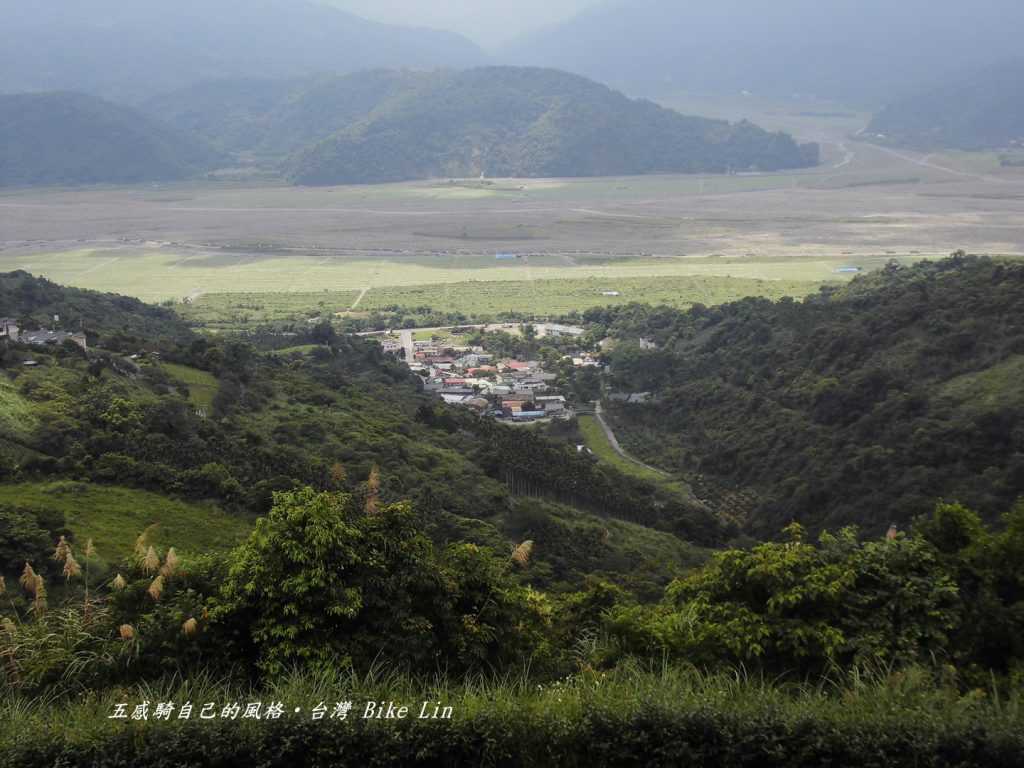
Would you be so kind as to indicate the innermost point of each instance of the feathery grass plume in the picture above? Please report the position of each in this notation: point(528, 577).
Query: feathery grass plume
point(126, 631)
point(151, 562)
point(3, 585)
point(9, 626)
point(140, 548)
point(190, 627)
point(142, 543)
point(39, 594)
point(171, 562)
point(90, 550)
point(119, 583)
point(521, 554)
point(28, 579)
point(62, 551)
point(373, 491)
point(338, 476)
point(156, 588)
point(71, 566)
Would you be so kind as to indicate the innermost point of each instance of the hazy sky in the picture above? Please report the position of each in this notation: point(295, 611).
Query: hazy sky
point(486, 22)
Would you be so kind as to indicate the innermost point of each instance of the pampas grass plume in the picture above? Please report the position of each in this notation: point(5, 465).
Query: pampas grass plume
point(156, 588)
point(521, 554)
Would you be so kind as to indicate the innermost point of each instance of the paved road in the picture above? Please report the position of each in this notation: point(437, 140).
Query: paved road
point(599, 414)
point(408, 346)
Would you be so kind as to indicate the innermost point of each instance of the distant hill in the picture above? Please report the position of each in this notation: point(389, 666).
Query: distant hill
point(130, 49)
point(69, 138)
point(276, 117)
point(101, 316)
point(863, 51)
point(522, 122)
point(981, 110)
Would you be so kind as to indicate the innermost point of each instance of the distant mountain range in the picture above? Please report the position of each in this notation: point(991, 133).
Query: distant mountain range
point(864, 51)
point(377, 126)
point(69, 138)
point(129, 50)
point(980, 110)
point(500, 121)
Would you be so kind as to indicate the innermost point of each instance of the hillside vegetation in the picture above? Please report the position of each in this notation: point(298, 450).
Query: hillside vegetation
point(502, 121)
point(229, 423)
point(402, 548)
point(70, 138)
point(107, 319)
point(982, 110)
point(383, 126)
point(862, 405)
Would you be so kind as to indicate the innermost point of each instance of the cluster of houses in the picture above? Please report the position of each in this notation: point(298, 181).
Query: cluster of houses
point(520, 390)
point(10, 331)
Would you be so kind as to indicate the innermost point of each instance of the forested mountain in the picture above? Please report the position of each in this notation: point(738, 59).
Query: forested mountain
point(505, 121)
point(863, 405)
point(131, 49)
point(981, 110)
point(70, 138)
point(855, 50)
point(277, 117)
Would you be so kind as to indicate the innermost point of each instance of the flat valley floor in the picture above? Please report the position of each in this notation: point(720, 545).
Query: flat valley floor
point(863, 206)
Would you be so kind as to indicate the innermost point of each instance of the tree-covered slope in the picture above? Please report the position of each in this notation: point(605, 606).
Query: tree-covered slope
point(70, 138)
point(276, 117)
point(130, 49)
point(863, 405)
point(982, 110)
point(107, 319)
point(328, 417)
point(506, 121)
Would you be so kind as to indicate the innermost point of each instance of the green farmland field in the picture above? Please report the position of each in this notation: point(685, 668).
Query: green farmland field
point(482, 298)
point(157, 275)
point(557, 297)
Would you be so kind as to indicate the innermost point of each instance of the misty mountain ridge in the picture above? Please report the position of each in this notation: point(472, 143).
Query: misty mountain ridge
point(861, 51)
point(983, 109)
point(129, 50)
point(73, 138)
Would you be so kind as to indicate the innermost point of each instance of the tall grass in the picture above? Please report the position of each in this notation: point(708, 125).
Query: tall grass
point(875, 698)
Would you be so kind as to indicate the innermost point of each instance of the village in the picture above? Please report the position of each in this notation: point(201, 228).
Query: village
point(10, 331)
point(457, 366)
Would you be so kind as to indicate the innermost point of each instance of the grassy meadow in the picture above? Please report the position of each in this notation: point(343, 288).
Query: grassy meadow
point(114, 517)
point(202, 385)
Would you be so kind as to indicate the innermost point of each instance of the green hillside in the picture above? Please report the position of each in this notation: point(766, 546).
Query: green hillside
point(328, 533)
point(980, 110)
point(521, 122)
point(71, 138)
point(383, 125)
point(107, 319)
point(862, 405)
point(277, 117)
point(115, 517)
point(228, 423)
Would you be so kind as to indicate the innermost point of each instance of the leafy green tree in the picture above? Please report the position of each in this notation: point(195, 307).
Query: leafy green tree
point(320, 582)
